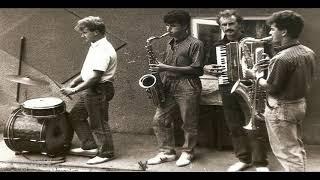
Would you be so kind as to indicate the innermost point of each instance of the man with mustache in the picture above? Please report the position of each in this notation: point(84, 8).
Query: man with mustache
point(181, 68)
point(250, 150)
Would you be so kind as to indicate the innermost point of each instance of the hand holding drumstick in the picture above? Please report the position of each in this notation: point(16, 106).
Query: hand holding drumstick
point(57, 84)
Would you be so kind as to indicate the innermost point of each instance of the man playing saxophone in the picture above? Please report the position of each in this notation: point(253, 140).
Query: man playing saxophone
point(252, 149)
point(291, 71)
point(181, 68)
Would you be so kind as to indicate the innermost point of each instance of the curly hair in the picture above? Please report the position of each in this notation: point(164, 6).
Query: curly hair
point(92, 23)
point(177, 16)
point(288, 20)
point(229, 13)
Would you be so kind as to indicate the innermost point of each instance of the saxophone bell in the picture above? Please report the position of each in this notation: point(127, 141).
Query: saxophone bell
point(147, 81)
point(252, 125)
point(152, 82)
point(153, 87)
point(251, 96)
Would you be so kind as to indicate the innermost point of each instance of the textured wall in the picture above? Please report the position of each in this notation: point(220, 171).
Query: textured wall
point(55, 49)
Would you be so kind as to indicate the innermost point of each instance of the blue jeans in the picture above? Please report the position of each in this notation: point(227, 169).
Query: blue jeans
point(94, 103)
point(284, 125)
point(183, 97)
point(249, 146)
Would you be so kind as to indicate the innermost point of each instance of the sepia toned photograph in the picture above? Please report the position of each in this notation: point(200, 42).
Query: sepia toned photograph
point(159, 90)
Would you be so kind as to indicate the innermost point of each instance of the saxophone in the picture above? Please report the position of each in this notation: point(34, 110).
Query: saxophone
point(152, 82)
point(252, 97)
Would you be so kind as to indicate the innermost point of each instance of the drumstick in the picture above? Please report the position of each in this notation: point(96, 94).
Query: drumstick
point(57, 84)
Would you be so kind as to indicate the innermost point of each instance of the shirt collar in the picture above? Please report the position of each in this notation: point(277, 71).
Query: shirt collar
point(226, 40)
point(172, 41)
point(286, 46)
point(95, 44)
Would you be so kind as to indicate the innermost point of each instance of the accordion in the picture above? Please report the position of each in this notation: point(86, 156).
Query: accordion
point(235, 57)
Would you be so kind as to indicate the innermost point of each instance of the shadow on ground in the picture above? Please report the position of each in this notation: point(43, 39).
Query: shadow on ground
point(130, 150)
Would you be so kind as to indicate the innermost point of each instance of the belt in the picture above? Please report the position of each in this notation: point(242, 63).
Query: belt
point(282, 101)
point(181, 77)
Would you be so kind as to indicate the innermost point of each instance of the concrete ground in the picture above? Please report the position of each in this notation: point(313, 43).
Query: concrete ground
point(130, 150)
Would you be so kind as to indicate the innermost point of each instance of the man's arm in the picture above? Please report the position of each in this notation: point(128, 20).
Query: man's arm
point(211, 67)
point(195, 68)
point(84, 85)
point(182, 70)
point(75, 81)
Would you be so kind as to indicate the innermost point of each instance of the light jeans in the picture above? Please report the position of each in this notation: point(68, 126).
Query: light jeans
point(183, 97)
point(284, 126)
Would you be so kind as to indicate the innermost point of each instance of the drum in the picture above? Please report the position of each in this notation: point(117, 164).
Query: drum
point(44, 107)
point(48, 132)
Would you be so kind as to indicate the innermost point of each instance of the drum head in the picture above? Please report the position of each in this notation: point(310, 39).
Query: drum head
point(42, 103)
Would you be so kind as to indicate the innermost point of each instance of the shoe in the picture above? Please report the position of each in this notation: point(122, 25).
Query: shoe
point(238, 166)
point(161, 158)
point(262, 169)
point(98, 160)
point(184, 159)
point(80, 151)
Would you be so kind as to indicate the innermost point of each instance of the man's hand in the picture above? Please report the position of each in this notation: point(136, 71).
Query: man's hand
point(262, 64)
point(73, 84)
point(158, 67)
point(249, 74)
point(214, 69)
point(68, 91)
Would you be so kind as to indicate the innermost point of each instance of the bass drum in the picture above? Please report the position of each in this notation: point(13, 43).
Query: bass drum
point(50, 135)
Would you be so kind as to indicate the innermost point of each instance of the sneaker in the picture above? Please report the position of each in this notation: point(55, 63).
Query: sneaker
point(238, 166)
point(262, 169)
point(184, 159)
point(80, 151)
point(98, 160)
point(161, 158)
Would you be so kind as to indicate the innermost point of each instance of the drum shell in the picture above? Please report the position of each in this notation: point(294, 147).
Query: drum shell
point(45, 112)
point(50, 135)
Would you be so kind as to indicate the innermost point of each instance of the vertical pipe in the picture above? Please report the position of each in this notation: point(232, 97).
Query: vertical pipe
point(19, 66)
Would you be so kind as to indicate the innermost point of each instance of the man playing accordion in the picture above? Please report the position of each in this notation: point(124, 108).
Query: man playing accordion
point(249, 147)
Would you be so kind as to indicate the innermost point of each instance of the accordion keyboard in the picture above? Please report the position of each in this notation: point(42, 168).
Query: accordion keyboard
point(221, 52)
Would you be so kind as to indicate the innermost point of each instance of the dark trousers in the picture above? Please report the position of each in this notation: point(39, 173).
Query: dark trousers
point(94, 103)
point(250, 146)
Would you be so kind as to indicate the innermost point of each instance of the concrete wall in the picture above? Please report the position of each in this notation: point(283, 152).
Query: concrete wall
point(54, 49)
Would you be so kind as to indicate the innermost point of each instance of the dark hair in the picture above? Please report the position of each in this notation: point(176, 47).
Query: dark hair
point(177, 16)
point(289, 20)
point(92, 23)
point(229, 13)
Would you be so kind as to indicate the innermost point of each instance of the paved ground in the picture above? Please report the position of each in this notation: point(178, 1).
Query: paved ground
point(130, 149)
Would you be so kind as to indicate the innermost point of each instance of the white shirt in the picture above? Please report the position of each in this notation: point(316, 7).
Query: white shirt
point(102, 57)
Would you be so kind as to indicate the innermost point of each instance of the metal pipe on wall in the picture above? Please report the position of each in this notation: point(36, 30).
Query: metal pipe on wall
point(21, 53)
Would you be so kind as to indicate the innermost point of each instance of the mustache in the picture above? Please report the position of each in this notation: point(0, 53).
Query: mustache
point(229, 30)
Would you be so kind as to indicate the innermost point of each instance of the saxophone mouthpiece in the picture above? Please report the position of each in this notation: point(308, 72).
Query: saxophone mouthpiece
point(165, 34)
point(252, 40)
point(157, 37)
point(266, 39)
